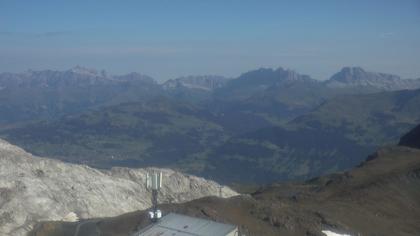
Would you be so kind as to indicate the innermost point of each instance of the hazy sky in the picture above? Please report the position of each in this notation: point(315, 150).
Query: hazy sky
point(166, 39)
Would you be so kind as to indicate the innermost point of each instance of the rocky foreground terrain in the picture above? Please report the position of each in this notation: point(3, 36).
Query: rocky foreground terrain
point(379, 197)
point(34, 189)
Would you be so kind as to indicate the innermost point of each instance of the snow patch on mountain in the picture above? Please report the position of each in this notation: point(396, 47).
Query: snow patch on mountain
point(330, 233)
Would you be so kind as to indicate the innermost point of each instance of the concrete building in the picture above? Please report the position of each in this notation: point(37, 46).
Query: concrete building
point(181, 225)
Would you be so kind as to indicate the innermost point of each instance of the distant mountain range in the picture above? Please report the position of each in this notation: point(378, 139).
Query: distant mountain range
point(77, 76)
point(267, 124)
point(41, 95)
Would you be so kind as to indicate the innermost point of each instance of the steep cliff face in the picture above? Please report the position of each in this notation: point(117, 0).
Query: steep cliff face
point(36, 189)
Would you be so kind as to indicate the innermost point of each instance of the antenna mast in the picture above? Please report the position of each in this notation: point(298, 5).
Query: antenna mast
point(154, 182)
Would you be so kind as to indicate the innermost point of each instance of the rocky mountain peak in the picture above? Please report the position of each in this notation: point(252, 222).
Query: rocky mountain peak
point(353, 69)
point(135, 76)
point(268, 75)
point(87, 71)
point(351, 74)
point(202, 82)
point(288, 74)
point(351, 77)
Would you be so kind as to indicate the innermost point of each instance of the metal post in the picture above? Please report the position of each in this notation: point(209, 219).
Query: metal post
point(154, 183)
point(154, 201)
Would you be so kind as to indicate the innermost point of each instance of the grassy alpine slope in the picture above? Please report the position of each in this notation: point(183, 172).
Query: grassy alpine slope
point(170, 133)
point(157, 132)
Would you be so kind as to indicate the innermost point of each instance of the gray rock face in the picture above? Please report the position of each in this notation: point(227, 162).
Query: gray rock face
point(205, 82)
point(36, 189)
point(356, 77)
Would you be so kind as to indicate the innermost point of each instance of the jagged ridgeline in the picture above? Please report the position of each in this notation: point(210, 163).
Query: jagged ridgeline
point(266, 124)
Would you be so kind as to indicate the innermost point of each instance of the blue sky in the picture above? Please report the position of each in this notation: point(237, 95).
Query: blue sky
point(166, 39)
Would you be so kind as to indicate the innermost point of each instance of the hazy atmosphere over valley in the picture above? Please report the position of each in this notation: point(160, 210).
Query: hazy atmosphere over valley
point(261, 117)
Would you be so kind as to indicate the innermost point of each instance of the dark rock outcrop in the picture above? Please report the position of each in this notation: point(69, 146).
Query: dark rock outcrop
point(411, 139)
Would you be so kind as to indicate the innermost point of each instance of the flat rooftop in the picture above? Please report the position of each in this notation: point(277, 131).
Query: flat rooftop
point(180, 225)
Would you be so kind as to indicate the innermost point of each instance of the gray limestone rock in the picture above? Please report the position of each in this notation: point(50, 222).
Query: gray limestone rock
point(36, 189)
